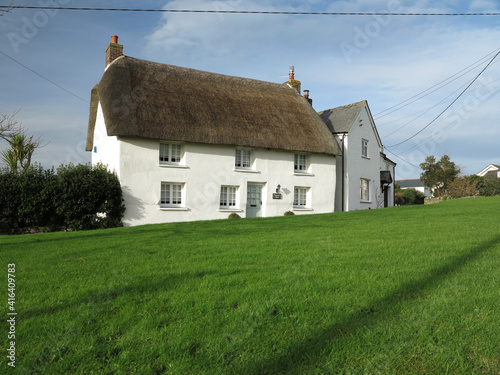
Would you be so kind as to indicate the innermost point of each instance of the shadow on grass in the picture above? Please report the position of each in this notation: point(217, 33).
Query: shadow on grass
point(298, 357)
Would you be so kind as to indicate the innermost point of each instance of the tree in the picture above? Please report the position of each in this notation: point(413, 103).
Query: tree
point(6, 8)
point(18, 156)
point(9, 126)
point(438, 175)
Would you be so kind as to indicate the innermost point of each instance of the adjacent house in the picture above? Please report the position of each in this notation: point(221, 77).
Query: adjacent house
point(492, 170)
point(193, 145)
point(365, 174)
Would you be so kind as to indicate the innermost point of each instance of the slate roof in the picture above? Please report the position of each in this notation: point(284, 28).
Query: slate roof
point(340, 119)
point(145, 99)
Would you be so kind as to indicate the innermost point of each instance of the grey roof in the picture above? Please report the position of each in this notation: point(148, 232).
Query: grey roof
point(151, 100)
point(340, 119)
point(412, 183)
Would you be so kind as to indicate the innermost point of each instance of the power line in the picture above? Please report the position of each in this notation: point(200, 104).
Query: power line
point(463, 92)
point(249, 11)
point(441, 84)
point(45, 78)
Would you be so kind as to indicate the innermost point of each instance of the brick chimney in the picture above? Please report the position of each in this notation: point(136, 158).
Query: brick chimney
point(114, 50)
point(292, 82)
point(306, 95)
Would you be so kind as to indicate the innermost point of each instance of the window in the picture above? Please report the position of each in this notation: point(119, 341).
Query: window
point(170, 153)
point(364, 148)
point(300, 197)
point(364, 190)
point(242, 159)
point(300, 163)
point(171, 194)
point(228, 197)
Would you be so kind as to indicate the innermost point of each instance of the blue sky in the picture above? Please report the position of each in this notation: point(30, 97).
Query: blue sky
point(340, 59)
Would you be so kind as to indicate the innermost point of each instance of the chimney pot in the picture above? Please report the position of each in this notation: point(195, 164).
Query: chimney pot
point(114, 50)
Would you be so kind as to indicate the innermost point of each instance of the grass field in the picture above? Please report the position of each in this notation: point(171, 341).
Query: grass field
point(404, 290)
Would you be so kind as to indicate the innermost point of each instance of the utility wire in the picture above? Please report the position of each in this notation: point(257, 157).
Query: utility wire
point(463, 92)
point(419, 96)
point(45, 78)
point(250, 11)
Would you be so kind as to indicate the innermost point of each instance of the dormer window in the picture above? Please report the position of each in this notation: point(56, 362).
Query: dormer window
point(170, 153)
point(243, 159)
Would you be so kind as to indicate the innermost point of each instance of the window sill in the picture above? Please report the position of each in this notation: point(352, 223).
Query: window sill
point(302, 209)
point(230, 210)
point(173, 166)
point(366, 202)
point(365, 157)
point(303, 174)
point(246, 170)
point(173, 209)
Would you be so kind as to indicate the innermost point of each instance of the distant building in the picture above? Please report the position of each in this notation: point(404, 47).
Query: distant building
point(492, 170)
point(416, 184)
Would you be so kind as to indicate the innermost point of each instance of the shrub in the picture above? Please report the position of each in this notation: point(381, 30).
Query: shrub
point(490, 187)
point(289, 213)
point(91, 197)
point(234, 215)
point(462, 187)
point(78, 197)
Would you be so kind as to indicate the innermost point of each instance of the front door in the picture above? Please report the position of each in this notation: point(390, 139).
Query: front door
point(254, 200)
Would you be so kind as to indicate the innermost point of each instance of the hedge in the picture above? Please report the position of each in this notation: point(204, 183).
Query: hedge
point(78, 197)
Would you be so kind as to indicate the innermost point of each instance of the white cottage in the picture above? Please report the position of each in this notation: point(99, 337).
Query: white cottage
point(364, 173)
point(192, 145)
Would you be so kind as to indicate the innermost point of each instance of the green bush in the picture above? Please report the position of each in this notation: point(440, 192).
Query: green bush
point(289, 213)
point(10, 200)
point(490, 187)
point(234, 215)
point(91, 197)
point(79, 197)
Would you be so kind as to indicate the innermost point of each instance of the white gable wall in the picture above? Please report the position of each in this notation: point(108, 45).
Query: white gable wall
point(106, 149)
point(204, 169)
point(358, 167)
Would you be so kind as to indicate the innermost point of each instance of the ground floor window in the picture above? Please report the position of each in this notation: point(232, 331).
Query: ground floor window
point(300, 197)
point(228, 196)
point(364, 189)
point(171, 194)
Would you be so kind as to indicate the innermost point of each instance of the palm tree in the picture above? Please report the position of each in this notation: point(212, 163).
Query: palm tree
point(18, 158)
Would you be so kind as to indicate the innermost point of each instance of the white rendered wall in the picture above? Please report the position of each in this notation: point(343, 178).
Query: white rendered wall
point(204, 169)
point(358, 167)
point(106, 149)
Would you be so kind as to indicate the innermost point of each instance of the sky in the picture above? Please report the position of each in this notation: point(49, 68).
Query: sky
point(426, 78)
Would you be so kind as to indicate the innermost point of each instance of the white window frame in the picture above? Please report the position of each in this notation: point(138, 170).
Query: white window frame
point(364, 190)
point(170, 153)
point(301, 197)
point(229, 197)
point(300, 163)
point(243, 159)
point(172, 195)
point(364, 148)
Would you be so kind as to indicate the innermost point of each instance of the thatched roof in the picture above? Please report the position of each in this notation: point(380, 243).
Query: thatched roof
point(157, 101)
point(340, 119)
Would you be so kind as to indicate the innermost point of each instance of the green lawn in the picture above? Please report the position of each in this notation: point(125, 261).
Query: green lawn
point(404, 290)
